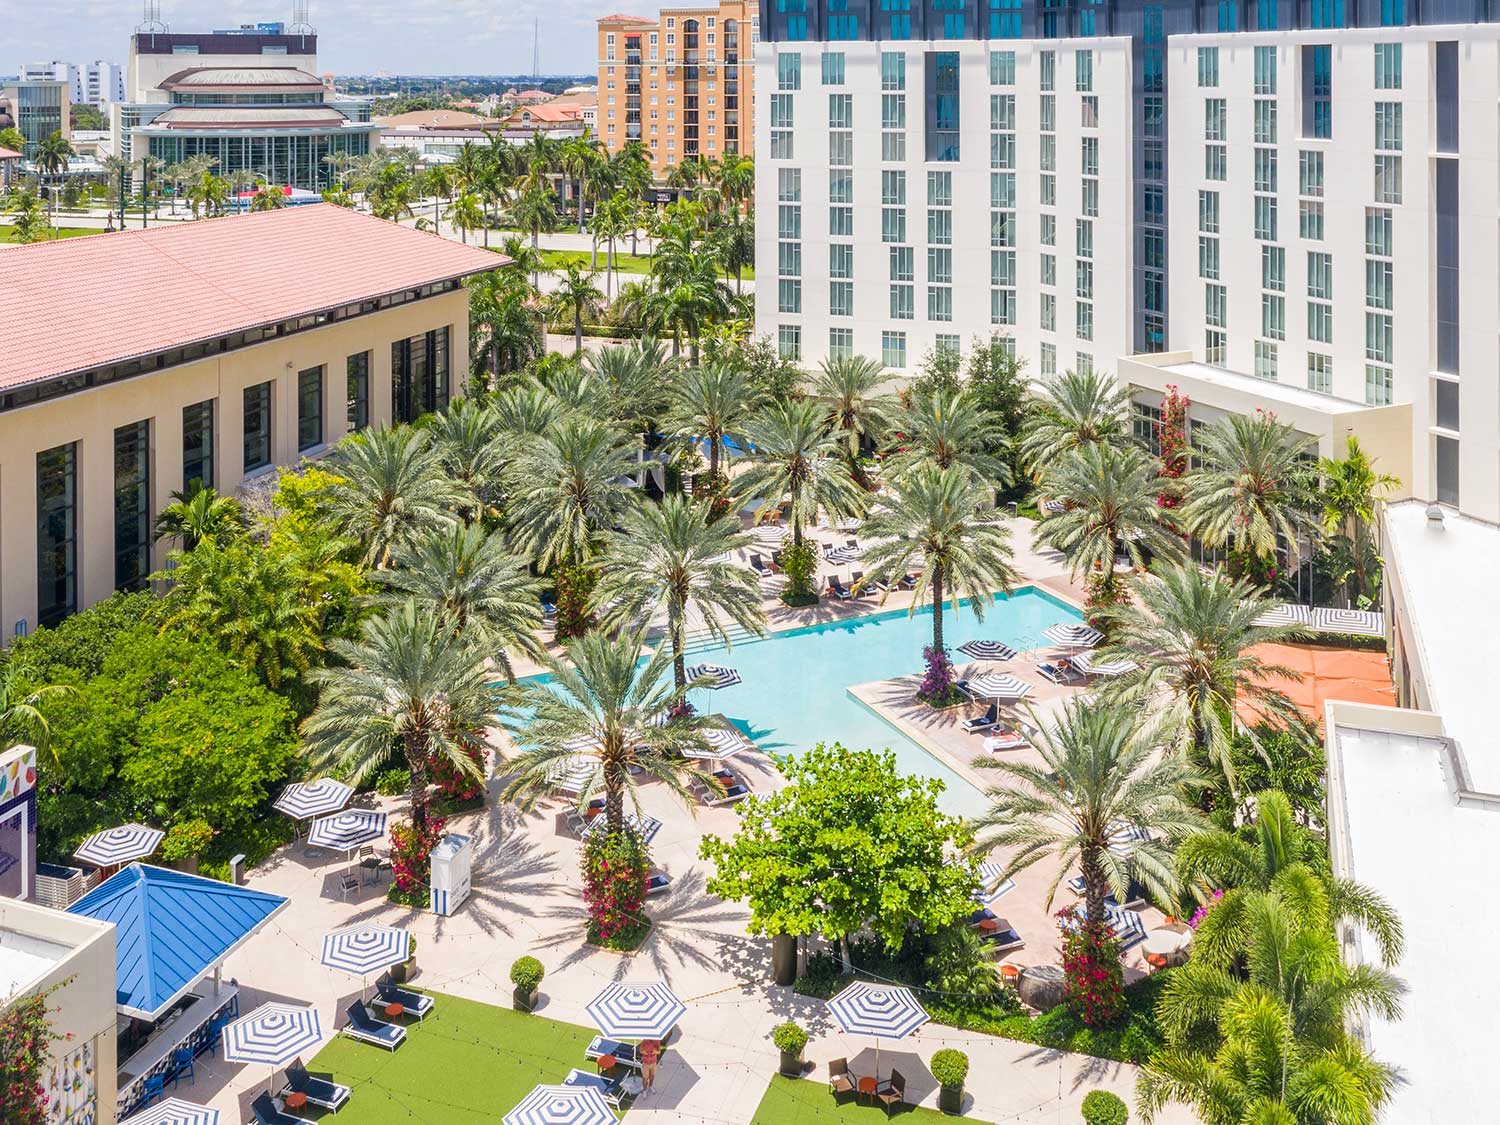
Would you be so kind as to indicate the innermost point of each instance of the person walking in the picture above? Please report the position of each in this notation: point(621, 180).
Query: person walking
point(650, 1056)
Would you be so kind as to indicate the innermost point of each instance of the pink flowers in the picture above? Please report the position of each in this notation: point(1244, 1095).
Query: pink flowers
point(411, 853)
point(1093, 980)
point(1202, 911)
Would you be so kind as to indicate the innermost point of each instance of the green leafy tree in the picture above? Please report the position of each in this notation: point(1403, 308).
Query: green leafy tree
point(392, 488)
point(470, 444)
point(636, 377)
point(1349, 491)
point(1074, 410)
point(950, 427)
point(200, 513)
point(848, 843)
point(22, 705)
point(466, 213)
point(797, 458)
point(505, 321)
point(53, 153)
point(712, 403)
point(29, 221)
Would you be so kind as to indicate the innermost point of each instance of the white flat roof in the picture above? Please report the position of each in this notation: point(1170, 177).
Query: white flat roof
point(1268, 389)
point(1434, 861)
point(24, 959)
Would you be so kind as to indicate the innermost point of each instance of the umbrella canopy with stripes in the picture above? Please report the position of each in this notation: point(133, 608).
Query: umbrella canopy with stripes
point(363, 950)
point(1091, 666)
point(1073, 635)
point(1286, 615)
point(272, 1034)
point(305, 799)
point(175, 1111)
point(636, 1010)
point(717, 675)
point(1360, 622)
point(769, 534)
point(988, 650)
point(561, 1105)
point(1123, 922)
point(886, 1011)
point(645, 827)
point(999, 685)
point(572, 775)
point(345, 831)
point(1124, 837)
point(120, 845)
point(721, 744)
point(993, 882)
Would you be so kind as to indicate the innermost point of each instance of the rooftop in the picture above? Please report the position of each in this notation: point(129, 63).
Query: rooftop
point(312, 115)
point(195, 281)
point(1186, 371)
point(434, 119)
point(265, 79)
point(24, 959)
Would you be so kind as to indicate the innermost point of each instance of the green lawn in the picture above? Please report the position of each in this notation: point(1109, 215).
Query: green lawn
point(466, 1064)
point(62, 232)
point(790, 1100)
point(624, 263)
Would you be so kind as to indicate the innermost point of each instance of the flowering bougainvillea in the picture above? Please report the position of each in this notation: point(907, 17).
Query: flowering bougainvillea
point(937, 682)
point(411, 854)
point(574, 585)
point(458, 785)
point(1104, 598)
point(1174, 447)
point(1093, 979)
point(615, 868)
point(1202, 911)
point(25, 1036)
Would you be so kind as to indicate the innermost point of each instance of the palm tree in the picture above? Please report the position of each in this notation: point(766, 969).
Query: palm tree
point(470, 578)
point(855, 409)
point(21, 716)
point(410, 684)
point(504, 320)
point(209, 193)
point(577, 296)
point(604, 696)
point(712, 403)
point(1252, 485)
point(945, 427)
point(1099, 773)
point(1349, 491)
point(535, 210)
point(612, 218)
point(675, 554)
point(637, 378)
point(1072, 411)
point(466, 213)
point(1193, 636)
point(1110, 504)
point(469, 442)
point(52, 154)
point(200, 513)
point(391, 489)
point(797, 458)
point(934, 523)
point(525, 412)
point(735, 241)
point(268, 197)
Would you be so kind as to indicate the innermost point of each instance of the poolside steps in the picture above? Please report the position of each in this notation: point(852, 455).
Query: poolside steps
point(701, 640)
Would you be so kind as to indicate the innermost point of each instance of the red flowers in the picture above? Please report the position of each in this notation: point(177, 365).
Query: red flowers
point(411, 853)
point(25, 1034)
point(615, 869)
point(1093, 980)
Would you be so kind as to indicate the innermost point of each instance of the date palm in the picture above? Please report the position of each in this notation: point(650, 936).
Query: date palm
point(1074, 410)
point(1111, 504)
point(948, 426)
point(524, 412)
point(712, 403)
point(411, 684)
point(1252, 485)
point(1193, 637)
point(392, 488)
point(855, 410)
point(604, 697)
point(1100, 772)
point(636, 378)
point(470, 445)
point(674, 555)
point(796, 457)
point(576, 297)
point(504, 320)
point(933, 523)
point(470, 578)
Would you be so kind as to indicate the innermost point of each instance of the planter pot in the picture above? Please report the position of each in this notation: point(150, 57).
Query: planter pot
point(402, 973)
point(188, 864)
point(525, 1000)
point(784, 958)
point(791, 1063)
point(951, 1099)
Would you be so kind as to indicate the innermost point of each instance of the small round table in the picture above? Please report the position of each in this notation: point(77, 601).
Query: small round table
point(395, 1009)
point(606, 1062)
point(296, 1100)
point(989, 925)
point(867, 1086)
point(1010, 973)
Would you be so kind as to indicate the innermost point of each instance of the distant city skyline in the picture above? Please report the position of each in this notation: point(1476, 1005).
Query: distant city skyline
point(417, 37)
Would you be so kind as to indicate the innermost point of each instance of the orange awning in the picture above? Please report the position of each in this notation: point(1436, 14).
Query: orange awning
point(1346, 675)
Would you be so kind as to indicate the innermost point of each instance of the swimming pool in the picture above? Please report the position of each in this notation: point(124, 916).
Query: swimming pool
point(794, 690)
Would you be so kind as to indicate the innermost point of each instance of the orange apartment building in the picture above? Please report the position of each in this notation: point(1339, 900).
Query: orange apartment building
point(680, 83)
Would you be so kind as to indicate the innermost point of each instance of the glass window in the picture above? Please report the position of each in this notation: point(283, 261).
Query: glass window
point(789, 185)
point(1388, 126)
point(1083, 68)
point(1215, 162)
point(1048, 70)
point(789, 341)
point(1320, 372)
point(1214, 114)
point(840, 260)
point(893, 111)
point(840, 343)
point(789, 71)
point(841, 298)
point(1265, 218)
point(940, 302)
point(892, 187)
point(1208, 66)
point(257, 443)
point(1379, 337)
point(1002, 68)
point(841, 222)
point(833, 68)
point(1310, 173)
point(1379, 282)
point(902, 262)
point(940, 227)
point(1379, 385)
point(893, 349)
point(1273, 316)
point(1446, 456)
point(892, 224)
point(198, 446)
point(892, 70)
point(1265, 359)
point(841, 150)
point(903, 302)
point(1208, 258)
point(1320, 275)
point(841, 111)
point(1378, 231)
point(1387, 178)
point(1273, 268)
point(1048, 314)
point(1446, 396)
point(309, 408)
point(1265, 169)
point(1208, 212)
point(1215, 305)
point(57, 533)
point(357, 390)
point(1083, 320)
point(1387, 66)
point(789, 259)
point(1310, 219)
point(1265, 70)
point(789, 295)
point(1265, 122)
point(132, 505)
point(1320, 322)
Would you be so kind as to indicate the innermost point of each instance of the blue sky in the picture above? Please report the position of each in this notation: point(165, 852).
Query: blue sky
point(409, 37)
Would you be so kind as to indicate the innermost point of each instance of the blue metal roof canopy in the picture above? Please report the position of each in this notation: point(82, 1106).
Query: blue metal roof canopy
point(170, 929)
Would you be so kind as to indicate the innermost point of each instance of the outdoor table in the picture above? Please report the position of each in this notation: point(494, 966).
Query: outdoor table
point(1010, 973)
point(371, 866)
point(867, 1086)
point(296, 1100)
point(395, 1009)
point(1164, 942)
point(989, 925)
point(606, 1062)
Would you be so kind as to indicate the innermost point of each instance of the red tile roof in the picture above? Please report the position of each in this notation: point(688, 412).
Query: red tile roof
point(619, 18)
point(9, 154)
point(83, 302)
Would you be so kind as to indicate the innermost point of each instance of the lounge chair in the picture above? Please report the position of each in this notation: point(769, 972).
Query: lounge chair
point(758, 565)
point(414, 1003)
point(1135, 894)
point(318, 1091)
point(893, 1093)
point(1003, 939)
point(626, 1054)
point(1009, 740)
point(837, 588)
point(983, 914)
point(962, 684)
point(1058, 673)
point(266, 1113)
point(367, 1029)
point(732, 793)
point(984, 722)
point(609, 1088)
point(840, 1081)
point(657, 882)
point(549, 609)
point(858, 584)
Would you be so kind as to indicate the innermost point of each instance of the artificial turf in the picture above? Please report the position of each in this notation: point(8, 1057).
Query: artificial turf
point(792, 1100)
point(466, 1064)
point(7, 231)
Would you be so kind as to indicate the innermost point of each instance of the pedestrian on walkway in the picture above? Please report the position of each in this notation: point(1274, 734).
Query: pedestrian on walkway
point(650, 1056)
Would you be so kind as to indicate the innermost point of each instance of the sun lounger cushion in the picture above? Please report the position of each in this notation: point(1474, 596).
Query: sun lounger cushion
point(319, 1091)
point(608, 1088)
point(626, 1054)
point(415, 1003)
point(363, 1026)
point(266, 1113)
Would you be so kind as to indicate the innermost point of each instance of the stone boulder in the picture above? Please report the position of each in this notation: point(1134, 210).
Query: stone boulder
point(1041, 987)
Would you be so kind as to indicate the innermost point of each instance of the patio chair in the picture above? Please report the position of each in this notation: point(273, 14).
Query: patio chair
point(758, 565)
point(1058, 673)
point(984, 722)
point(266, 1113)
point(609, 1088)
point(840, 1081)
point(858, 585)
point(549, 609)
point(318, 1091)
point(415, 1003)
point(367, 1029)
point(1003, 939)
point(348, 881)
point(838, 589)
point(215, 1033)
point(182, 1063)
point(152, 1087)
point(893, 1093)
point(624, 1054)
point(1009, 740)
point(657, 883)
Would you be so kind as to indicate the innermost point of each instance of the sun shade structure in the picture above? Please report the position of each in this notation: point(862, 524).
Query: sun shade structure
point(1124, 837)
point(272, 1034)
point(562, 1105)
point(1360, 622)
point(721, 744)
point(885, 1011)
point(993, 883)
point(175, 1111)
point(988, 650)
point(999, 685)
point(363, 950)
point(346, 831)
point(170, 929)
point(120, 845)
point(1073, 635)
point(646, 827)
point(1299, 615)
point(636, 1010)
point(306, 799)
point(719, 676)
point(1092, 666)
point(572, 775)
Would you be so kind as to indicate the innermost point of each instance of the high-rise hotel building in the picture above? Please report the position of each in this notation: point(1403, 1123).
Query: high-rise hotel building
point(680, 83)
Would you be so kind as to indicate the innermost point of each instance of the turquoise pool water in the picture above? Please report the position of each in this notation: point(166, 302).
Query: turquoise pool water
point(794, 691)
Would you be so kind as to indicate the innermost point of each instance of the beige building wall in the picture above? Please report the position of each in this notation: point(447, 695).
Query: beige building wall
point(91, 417)
point(82, 1007)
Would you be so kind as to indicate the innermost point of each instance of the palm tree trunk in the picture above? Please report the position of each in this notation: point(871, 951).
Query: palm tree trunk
point(713, 458)
point(1094, 889)
point(614, 792)
point(580, 206)
point(937, 607)
point(577, 329)
point(679, 642)
point(737, 268)
point(416, 764)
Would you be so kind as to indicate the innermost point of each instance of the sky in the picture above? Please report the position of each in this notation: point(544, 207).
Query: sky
point(406, 37)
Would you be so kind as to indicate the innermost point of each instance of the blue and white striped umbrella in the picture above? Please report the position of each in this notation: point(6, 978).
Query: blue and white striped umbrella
point(636, 1010)
point(1090, 666)
point(721, 744)
point(120, 845)
point(1073, 635)
point(272, 1034)
point(572, 775)
point(886, 1011)
point(993, 883)
point(174, 1111)
point(345, 831)
point(1124, 837)
point(645, 827)
point(1288, 614)
point(305, 799)
point(1360, 622)
point(988, 650)
point(999, 685)
point(562, 1105)
point(363, 950)
point(719, 676)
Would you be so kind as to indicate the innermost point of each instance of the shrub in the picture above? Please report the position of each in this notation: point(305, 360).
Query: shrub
point(393, 782)
point(790, 1038)
point(26, 1038)
point(455, 785)
point(1094, 981)
point(615, 866)
point(187, 839)
point(800, 565)
point(411, 854)
point(574, 585)
point(1100, 1107)
point(950, 1068)
point(937, 686)
point(526, 973)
